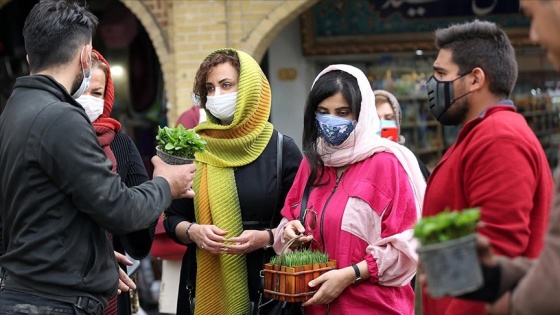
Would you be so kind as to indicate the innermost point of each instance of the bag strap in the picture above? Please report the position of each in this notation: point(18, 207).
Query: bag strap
point(279, 149)
point(279, 153)
point(304, 198)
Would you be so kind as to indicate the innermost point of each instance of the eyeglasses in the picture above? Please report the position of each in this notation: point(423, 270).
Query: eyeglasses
point(309, 220)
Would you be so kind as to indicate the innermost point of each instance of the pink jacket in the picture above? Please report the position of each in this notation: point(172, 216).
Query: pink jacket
point(367, 214)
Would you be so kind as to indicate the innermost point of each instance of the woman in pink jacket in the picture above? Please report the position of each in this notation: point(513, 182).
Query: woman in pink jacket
point(366, 194)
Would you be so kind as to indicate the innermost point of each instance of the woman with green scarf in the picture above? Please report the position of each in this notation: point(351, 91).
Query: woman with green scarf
point(227, 225)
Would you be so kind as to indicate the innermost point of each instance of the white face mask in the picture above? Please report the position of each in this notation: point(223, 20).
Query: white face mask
point(92, 105)
point(85, 82)
point(222, 106)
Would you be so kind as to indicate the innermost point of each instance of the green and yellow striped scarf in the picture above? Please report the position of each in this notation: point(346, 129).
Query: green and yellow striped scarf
point(221, 281)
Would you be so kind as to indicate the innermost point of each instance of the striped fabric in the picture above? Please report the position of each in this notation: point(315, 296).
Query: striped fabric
point(221, 281)
point(112, 307)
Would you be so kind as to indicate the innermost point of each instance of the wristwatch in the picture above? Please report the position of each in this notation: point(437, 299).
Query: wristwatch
point(357, 271)
point(270, 240)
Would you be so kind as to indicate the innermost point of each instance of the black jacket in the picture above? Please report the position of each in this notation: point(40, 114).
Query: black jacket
point(58, 196)
point(258, 196)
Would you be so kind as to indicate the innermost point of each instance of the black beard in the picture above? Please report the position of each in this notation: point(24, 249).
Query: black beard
point(77, 82)
point(456, 113)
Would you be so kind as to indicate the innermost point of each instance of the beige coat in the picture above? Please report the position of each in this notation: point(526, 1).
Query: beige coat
point(538, 288)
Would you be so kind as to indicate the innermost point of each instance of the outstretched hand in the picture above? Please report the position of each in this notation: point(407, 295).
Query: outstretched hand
point(125, 283)
point(485, 254)
point(179, 177)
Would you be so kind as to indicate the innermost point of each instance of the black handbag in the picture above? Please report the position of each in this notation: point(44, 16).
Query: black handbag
point(270, 306)
point(275, 307)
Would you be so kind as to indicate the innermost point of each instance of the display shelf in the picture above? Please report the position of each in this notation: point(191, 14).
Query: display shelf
point(430, 123)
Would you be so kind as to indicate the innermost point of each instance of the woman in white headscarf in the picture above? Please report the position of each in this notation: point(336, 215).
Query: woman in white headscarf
point(366, 193)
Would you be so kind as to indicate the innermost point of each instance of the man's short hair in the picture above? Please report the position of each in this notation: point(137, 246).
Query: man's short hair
point(54, 30)
point(481, 44)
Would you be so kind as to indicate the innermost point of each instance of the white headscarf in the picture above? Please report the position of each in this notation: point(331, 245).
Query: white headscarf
point(364, 142)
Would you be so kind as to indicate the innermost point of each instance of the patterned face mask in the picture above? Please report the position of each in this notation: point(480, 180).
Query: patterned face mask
point(335, 130)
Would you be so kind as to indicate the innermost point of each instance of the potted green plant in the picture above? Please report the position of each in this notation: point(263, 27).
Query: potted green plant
point(448, 252)
point(287, 275)
point(178, 145)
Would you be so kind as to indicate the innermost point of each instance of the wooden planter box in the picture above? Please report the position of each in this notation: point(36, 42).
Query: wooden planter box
point(290, 283)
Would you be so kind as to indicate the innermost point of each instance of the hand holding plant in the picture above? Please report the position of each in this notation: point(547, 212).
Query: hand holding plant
point(179, 141)
point(448, 252)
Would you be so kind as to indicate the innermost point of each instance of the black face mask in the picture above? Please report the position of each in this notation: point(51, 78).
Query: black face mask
point(441, 96)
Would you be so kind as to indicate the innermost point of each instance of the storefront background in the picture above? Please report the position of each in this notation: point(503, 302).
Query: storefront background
point(160, 43)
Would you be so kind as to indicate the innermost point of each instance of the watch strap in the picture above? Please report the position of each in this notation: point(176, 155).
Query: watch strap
point(357, 271)
point(270, 240)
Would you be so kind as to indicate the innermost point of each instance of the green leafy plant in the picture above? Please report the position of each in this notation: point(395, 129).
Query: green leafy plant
point(300, 257)
point(179, 141)
point(447, 225)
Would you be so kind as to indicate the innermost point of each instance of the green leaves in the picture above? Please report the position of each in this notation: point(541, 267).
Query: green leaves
point(300, 257)
point(179, 141)
point(446, 226)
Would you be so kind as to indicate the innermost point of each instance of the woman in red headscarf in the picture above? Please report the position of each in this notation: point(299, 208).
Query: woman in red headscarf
point(97, 101)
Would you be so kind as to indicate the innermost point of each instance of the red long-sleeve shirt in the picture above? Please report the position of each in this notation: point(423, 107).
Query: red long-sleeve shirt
point(497, 164)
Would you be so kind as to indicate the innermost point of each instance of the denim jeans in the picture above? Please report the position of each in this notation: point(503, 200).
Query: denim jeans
point(14, 302)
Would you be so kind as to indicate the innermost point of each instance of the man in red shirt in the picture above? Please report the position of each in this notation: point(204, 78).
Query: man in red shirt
point(496, 163)
point(522, 286)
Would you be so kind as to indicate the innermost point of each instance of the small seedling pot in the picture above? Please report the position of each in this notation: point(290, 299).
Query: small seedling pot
point(290, 283)
point(172, 159)
point(452, 267)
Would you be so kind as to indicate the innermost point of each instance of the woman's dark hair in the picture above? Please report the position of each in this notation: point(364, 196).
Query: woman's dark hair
point(54, 30)
point(327, 85)
point(214, 59)
point(481, 44)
